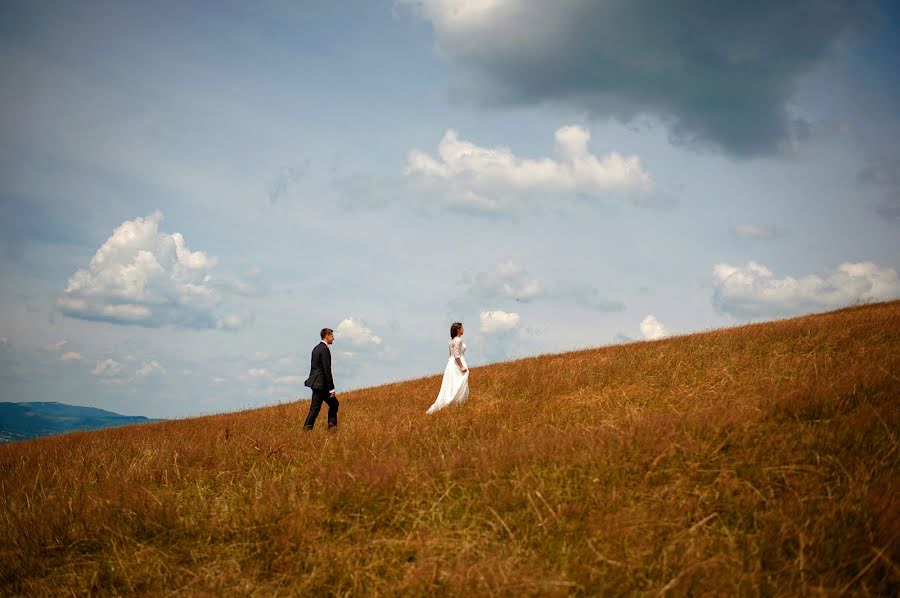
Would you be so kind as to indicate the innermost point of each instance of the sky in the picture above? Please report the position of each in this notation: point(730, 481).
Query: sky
point(190, 191)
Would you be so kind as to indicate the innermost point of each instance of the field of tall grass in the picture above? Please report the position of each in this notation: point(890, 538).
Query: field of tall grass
point(759, 460)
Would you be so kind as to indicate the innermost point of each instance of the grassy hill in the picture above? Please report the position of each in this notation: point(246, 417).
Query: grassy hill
point(754, 460)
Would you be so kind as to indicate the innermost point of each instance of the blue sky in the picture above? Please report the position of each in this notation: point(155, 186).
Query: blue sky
point(190, 191)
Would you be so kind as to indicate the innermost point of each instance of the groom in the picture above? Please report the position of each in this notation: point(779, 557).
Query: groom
point(321, 382)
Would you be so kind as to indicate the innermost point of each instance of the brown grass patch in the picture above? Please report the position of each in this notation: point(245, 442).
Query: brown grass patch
point(755, 460)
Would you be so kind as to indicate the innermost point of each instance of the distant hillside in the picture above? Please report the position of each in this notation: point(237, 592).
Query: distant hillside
point(19, 421)
point(762, 460)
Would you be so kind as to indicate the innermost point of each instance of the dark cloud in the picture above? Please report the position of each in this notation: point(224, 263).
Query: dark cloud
point(718, 73)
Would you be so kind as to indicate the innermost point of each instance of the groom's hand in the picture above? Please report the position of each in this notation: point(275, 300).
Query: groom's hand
point(332, 394)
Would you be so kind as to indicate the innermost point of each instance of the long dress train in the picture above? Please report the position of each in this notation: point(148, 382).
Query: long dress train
point(455, 384)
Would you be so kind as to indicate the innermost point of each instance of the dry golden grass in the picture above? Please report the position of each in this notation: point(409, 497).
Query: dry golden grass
point(759, 460)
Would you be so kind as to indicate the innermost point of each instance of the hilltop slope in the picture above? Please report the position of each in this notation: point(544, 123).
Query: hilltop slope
point(754, 460)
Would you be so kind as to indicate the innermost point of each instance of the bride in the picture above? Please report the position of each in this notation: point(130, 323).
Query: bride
point(455, 385)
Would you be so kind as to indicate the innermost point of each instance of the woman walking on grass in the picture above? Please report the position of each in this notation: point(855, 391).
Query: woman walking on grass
point(455, 385)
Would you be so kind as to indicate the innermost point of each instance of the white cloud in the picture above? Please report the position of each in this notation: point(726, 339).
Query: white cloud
point(754, 231)
point(653, 329)
point(489, 179)
point(753, 290)
point(357, 333)
point(72, 356)
point(54, 347)
point(258, 373)
point(219, 380)
point(498, 321)
point(145, 277)
point(287, 380)
point(149, 368)
point(108, 368)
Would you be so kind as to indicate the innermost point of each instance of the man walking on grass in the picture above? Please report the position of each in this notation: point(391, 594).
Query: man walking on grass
point(321, 382)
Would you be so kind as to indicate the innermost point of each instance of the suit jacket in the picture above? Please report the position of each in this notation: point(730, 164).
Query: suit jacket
point(320, 369)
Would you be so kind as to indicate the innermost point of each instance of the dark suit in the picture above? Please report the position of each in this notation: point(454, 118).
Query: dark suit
point(322, 383)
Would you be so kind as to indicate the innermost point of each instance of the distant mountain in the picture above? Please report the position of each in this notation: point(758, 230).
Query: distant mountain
point(20, 421)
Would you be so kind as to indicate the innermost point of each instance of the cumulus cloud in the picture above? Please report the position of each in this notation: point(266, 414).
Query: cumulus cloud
point(490, 179)
point(258, 373)
point(703, 68)
point(146, 277)
point(652, 329)
point(753, 291)
point(755, 231)
point(355, 331)
point(498, 321)
point(72, 356)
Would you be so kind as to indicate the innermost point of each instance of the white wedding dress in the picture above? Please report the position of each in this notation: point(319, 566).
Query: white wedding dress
point(455, 385)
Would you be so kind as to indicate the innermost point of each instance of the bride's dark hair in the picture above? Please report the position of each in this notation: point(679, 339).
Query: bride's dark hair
point(454, 329)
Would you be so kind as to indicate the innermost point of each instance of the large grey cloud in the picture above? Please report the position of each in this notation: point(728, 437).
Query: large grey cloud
point(719, 73)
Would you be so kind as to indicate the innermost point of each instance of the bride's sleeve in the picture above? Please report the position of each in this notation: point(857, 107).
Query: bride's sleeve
point(454, 347)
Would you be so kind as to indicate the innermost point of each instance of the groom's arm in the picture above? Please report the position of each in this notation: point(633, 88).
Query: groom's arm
point(326, 366)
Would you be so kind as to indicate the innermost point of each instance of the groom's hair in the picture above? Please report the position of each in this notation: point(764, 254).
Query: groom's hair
point(454, 329)
point(325, 332)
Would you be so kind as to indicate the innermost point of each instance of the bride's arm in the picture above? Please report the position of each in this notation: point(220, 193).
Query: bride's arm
point(457, 356)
